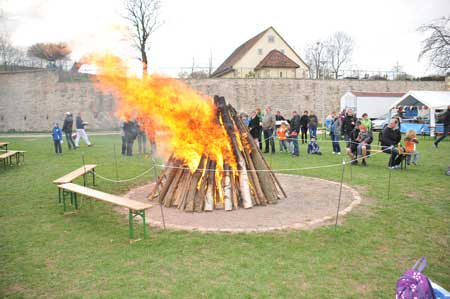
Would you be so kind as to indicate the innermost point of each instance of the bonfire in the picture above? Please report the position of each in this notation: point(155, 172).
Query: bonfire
point(212, 161)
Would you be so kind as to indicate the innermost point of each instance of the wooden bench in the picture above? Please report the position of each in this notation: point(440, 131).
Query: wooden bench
point(71, 176)
point(135, 208)
point(4, 145)
point(7, 157)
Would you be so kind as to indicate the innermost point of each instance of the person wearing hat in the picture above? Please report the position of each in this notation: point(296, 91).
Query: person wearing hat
point(67, 129)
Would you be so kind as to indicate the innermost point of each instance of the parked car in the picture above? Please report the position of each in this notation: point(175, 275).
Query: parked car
point(380, 123)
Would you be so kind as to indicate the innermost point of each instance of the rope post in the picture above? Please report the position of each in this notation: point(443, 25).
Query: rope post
point(159, 200)
point(351, 173)
point(115, 163)
point(340, 194)
point(389, 185)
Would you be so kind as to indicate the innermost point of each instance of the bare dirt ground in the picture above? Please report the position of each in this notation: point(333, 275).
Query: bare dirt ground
point(310, 203)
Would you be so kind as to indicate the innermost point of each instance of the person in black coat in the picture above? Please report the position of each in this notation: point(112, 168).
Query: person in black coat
point(295, 129)
point(445, 118)
point(348, 124)
point(389, 141)
point(130, 132)
point(254, 127)
point(67, 129)
point(304, 120)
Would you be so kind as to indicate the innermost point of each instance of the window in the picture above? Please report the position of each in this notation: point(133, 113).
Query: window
point(260, 51)
point(282, 51)
point(281, 74)
point(271, 39)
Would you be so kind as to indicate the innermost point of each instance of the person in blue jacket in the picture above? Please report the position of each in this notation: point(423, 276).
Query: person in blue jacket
point(57, 138)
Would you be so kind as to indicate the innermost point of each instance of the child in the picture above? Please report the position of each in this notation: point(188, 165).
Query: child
point(410, 147)
point(57, 138)
point(281, 132)
point(313, 147)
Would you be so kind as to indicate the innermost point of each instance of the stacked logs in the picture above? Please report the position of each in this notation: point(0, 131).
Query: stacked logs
point(252, 184)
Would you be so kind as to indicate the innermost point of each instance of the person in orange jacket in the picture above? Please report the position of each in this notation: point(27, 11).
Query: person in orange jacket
point(281, 133)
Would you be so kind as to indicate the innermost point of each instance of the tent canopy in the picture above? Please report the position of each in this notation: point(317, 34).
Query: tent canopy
point(433, 99)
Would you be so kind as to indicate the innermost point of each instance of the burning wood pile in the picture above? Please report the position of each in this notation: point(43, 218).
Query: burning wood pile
point(244, 181)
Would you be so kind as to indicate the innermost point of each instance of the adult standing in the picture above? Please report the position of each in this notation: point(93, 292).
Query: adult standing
point(295, 130)
point(335, 133)
point(254, 127)
point(313, 123)
point(130, 131)
point(80, 124)
point(348, 124)
point(141, 137)
point(304, 120)
point(389, 141)
point(445, 118)
point(268, 125)
point(67, 129)
point(260, 117)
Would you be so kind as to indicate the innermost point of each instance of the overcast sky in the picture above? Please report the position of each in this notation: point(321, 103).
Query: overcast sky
point(384, 30)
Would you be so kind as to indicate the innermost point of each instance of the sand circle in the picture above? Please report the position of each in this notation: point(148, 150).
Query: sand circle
point(310, 203)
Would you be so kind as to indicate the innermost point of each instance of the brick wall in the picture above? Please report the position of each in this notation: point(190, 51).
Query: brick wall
point(33, 101)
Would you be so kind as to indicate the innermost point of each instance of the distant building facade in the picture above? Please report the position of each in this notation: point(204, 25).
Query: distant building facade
point(266, 55)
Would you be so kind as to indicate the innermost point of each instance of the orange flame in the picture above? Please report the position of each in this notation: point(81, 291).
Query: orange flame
point(185, 120)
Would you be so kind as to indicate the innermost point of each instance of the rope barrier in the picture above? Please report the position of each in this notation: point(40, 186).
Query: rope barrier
point(125, 180)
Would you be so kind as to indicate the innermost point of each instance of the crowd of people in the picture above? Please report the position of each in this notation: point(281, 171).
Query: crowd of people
point(357, 134)
point(133, 129)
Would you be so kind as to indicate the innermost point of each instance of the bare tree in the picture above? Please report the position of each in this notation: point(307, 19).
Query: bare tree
point(143, 16)
point(315, 54)
point(9, 54)
point(339, 51)
point(437, 46)
point(51, 52)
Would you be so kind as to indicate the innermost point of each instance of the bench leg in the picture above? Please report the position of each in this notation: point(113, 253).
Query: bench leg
point(131, 215)
point(130, 220)
point(84, 180)
point(59, 195)
point(75, 197)
point(64, 200)
point(93, 177)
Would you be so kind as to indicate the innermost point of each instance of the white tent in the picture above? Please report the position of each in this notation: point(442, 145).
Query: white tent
point(433, 100)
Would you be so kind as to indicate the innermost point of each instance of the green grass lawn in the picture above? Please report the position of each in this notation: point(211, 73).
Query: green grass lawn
point(44, 254)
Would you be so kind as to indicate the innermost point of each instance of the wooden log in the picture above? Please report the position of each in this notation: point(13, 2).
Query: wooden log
point(180, 191)
point(229, 127)
point(210, 191)
point(170, 175)
point(265, 178)
point(200, 196)
point(154, 193)
point(192, 190)
point(227, 192)
point(169, 197)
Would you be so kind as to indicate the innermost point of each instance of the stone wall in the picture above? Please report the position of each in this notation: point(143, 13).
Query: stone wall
point(34, 100)
point(287, 95)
